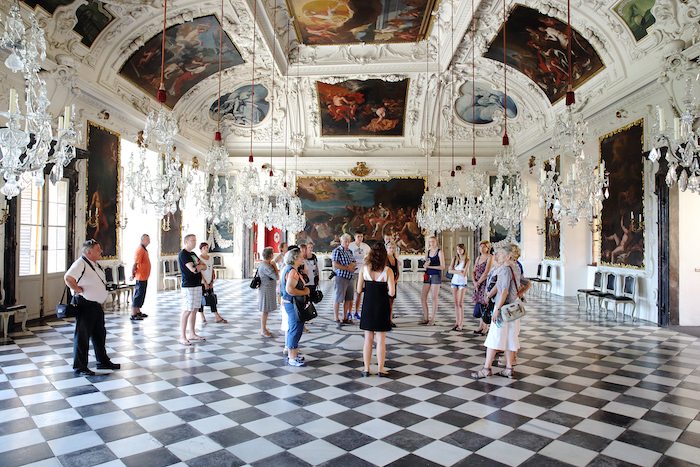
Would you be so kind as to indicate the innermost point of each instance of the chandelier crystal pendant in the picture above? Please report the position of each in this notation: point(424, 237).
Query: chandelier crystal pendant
point(683, 143)
point(25, 142)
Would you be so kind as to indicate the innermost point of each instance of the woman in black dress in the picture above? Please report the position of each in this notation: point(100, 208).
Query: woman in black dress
point(392, 260)
point(377, 279)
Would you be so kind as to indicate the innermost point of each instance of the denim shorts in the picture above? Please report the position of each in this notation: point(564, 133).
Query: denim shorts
point(433, 279)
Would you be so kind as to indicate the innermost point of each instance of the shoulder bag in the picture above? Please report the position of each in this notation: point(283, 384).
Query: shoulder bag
point(255, 283)
point(303, 306)
point(67, 310)
point(515, 310)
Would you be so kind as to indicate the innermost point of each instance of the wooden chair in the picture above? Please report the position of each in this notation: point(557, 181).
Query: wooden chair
point(537, 281)
point(169, 275)
point(121, 283)
point(547, 281)
point(627, 297)
point(113, 289)
point(408, 269)
point(218, 266)
point(6, 311)
point(597, 285)
point(609, 291)
point(327, 267)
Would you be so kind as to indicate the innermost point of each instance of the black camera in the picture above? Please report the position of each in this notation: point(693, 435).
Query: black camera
point(316, 296)
point(331, 275)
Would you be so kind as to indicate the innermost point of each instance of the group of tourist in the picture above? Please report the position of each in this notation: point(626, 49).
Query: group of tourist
point(359, 270)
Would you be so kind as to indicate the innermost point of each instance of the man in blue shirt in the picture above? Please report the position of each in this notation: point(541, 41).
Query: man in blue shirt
point(344, 266)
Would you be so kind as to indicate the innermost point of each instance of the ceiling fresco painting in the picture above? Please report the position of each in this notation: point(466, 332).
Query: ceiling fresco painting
point(335, 22)
point(637, 15)
point(537, 46)
point(93, 17)
point(48, 5)
point(191, 55)
point(372, 107)
point(242, 106)
point(481, 108)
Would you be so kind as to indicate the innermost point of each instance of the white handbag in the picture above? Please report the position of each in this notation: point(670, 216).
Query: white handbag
point(515, 310)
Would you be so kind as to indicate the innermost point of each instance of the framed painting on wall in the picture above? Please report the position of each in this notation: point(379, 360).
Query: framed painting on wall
point(376, 207)
point(552, 227)
point(372, 107)
point(479, 102)
point(622, 216)
point(171, 239)
point(537, 47)
point(103, 181)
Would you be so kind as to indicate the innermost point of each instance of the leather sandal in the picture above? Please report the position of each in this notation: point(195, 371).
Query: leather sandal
point(483, 373)
point(424, 322)
point(506, 373)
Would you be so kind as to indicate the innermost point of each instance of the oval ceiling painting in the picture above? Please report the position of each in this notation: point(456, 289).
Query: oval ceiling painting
point(243, 106)
point(486, 102)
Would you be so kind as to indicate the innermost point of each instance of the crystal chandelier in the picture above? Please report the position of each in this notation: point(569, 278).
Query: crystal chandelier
point(508, 197)
point(683, 143)
point(217, 202)
point(25, 152)
point(580, 195)
point(164, 189)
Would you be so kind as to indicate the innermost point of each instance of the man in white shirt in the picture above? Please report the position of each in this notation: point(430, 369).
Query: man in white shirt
point(87, 281)
point(360, 250)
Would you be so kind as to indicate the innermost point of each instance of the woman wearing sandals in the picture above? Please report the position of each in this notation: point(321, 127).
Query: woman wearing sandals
point(377, 279)
point(505, 336)
point(459, 268)
point(208, 276)
point(434, 264)
point(482, 265)
point(392, 260)
point(289, 279)
point(267, 296)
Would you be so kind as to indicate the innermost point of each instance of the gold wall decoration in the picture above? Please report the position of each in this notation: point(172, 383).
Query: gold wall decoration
point(361, 170)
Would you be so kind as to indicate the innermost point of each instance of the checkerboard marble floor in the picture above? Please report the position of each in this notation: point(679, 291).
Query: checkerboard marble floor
point(589, 391)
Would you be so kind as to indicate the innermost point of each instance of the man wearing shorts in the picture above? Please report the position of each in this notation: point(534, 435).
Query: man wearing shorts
point(141, 271)
point(344, 267)
point(191, 268)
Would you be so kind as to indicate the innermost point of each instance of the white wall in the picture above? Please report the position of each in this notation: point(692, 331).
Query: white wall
point(689, 259)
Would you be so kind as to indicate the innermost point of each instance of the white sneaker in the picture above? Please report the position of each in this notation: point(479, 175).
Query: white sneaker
point(295, 362)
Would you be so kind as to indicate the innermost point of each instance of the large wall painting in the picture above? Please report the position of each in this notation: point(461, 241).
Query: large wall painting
point(377, 207)
point(102, 202)
point(637, 15)
point(191, 55)
point(552, 227)
point(242, 106)
point(171, 239)
point(335, 22)
point(622, 217)
point(537, 46)
point(479, 107)
point(373, 107)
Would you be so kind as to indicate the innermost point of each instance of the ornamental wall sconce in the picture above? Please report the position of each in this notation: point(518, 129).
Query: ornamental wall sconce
point(361, 170)
point(540, 230)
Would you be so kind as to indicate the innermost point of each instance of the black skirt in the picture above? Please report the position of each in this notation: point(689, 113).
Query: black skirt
point(376, 309)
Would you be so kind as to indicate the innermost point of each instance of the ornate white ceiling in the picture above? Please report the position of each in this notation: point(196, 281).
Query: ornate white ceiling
point(89, 75)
